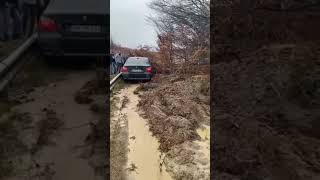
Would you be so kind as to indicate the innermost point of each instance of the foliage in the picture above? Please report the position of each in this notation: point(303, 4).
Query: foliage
point(183, 27)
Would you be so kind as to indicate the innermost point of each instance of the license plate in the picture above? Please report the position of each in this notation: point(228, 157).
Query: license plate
point(136, 70)
point(85, 28)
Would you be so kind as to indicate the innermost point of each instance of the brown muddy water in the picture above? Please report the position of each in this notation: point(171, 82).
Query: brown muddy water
point(65, 158)
point(143, 157)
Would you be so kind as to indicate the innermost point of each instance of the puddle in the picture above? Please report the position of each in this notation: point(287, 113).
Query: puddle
point(144, 157)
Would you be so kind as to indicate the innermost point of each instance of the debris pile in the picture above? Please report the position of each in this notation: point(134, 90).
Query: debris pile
point(176, 106)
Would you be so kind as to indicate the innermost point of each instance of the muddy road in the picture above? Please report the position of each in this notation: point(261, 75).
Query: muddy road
point(55, 142)
point(137, 146)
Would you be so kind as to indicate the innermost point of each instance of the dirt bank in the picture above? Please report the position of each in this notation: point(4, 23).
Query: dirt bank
point(266, 114)
point(176, 107)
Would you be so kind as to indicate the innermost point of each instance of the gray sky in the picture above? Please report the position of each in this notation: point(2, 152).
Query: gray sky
point(128, 24)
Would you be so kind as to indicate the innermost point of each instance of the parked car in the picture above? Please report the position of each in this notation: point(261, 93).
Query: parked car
point(74, 28)
point(137, 68)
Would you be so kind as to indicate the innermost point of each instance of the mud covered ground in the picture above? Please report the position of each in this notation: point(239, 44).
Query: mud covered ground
point(46, 132)
point(118, 134)
point(266, 115)
point(178, 111)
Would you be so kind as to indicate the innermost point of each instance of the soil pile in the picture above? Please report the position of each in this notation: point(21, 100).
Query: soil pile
point(266, 122)
point(176, 106)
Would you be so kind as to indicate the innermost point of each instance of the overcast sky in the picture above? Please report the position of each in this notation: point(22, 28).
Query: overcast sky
point(128, 25)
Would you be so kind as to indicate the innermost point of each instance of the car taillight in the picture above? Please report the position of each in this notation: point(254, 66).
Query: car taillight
point(47, 25)
point(149, 69)
point(124, 69)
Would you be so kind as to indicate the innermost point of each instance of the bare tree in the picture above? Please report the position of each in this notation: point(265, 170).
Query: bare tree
point(186, 22)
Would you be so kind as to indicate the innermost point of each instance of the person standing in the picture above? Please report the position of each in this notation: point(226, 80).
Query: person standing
point(113, 65)
point(118, 62)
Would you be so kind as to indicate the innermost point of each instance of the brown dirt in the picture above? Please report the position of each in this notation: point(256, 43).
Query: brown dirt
point(265, 112)
point(176, 106)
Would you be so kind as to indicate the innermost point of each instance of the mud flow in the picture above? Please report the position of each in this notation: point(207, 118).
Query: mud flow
point(49, 131)
point(143, 153)
point(144, 161)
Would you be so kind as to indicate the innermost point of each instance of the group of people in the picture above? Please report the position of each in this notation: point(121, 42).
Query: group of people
point(17, 17)
point(116, 62)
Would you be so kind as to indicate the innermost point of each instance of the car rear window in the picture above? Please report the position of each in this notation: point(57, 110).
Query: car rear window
point(78, 7)
point(137, 62)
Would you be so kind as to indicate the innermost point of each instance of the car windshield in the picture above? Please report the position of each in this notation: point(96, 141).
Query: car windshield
point(137, 62)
